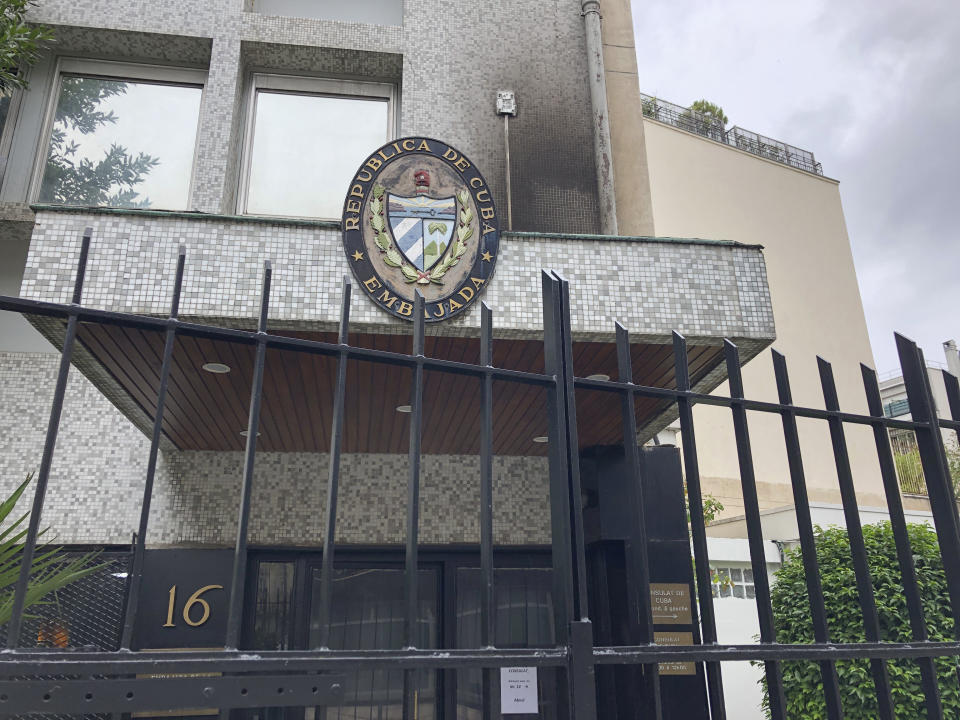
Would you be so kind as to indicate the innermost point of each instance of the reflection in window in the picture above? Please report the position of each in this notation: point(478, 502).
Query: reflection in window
point(5, 97)
point(121, 144)
point(305, 149)
point(273, 618)
point(368, 612)
point(523, 618)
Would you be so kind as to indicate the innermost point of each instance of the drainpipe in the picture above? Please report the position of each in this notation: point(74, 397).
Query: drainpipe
point(590, 10)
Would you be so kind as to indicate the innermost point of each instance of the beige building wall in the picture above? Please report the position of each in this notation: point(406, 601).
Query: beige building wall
point(701, 188)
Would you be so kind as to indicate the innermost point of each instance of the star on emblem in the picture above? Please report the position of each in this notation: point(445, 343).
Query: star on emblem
point(357, 255)
point(487, 257)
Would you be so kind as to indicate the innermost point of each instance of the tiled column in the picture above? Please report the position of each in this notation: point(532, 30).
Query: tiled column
point(219, 130)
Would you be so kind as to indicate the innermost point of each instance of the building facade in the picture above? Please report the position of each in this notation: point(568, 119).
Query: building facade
point(232, 129)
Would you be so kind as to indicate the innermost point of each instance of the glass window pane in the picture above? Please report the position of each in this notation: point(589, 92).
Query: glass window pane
point(121, 144)
point(748, 576)
point(523, 599)
point(305, 150)
point(751, 591)
point(738, 591)
point(5, 96)
point(273, 619)
point(736, 575)
point(368, 613)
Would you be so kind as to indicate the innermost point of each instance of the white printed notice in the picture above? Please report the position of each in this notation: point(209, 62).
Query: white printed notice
point(518, 690)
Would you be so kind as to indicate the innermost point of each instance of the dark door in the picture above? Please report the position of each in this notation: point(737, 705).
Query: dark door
point(368, 612)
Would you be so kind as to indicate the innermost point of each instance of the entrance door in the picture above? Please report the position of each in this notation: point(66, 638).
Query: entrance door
point(368, 613)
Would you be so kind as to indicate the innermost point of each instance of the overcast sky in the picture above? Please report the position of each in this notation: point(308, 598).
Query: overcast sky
point(873, 89)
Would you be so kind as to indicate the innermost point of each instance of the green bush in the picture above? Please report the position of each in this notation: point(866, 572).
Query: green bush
point(791, 608)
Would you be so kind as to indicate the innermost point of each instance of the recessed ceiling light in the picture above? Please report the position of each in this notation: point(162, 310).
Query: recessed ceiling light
point(244, 433)
point(598, 376)
point(540, 439)
point(216, 368)
point(403, 408)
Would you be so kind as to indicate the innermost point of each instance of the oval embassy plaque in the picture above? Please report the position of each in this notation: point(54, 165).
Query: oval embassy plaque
point(420, 216)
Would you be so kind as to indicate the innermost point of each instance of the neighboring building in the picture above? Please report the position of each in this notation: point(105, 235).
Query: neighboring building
point(895, 405)
point(242, 124)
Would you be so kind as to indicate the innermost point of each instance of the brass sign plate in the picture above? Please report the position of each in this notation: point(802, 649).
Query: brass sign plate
point(675, 638)
point(670, 603)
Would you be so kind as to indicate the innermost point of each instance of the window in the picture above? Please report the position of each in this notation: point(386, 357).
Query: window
point(733, 582)
point(121, 136)
point(373, 12)
point(305, 139)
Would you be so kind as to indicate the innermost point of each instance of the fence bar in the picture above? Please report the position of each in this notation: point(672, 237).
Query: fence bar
point(935, 473)
point(698, 524)
point(898, 523)
point(561, 550)
point(136, 574)
point(858, 552)
point(751, 509)
point(641, 612)
point(487, 598)
point(238, 578)
point(411, 574)
point(559, 494)
point(333, 478)
point(573, 454)
point(808, 547)
point(56, 662)
point(53, 427)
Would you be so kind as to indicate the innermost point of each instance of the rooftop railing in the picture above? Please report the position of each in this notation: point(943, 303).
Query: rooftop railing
point(746, 140)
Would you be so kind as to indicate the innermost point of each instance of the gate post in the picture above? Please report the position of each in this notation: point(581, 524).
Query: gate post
point(583, 686)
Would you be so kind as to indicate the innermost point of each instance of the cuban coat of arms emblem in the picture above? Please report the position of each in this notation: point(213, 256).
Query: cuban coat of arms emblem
point(419, 217)
point(422, 225)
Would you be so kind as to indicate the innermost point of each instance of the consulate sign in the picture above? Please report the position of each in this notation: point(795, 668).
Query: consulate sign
point(420, 216)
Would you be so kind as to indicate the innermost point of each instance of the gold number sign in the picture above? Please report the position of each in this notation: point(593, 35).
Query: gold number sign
point(194, 599)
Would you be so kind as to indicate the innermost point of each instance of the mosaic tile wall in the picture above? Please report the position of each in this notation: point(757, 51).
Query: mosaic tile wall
point(96, 483)
point(704, 290)
point(450, 59)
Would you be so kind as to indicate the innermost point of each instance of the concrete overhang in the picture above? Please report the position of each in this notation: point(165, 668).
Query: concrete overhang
point(706, 290)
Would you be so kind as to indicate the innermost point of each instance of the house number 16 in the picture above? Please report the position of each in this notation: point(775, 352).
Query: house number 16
point(194, 599)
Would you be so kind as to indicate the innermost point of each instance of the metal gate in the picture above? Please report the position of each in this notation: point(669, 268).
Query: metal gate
point(125, 681)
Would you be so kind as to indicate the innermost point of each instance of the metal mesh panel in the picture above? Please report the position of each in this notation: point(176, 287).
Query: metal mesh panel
point(85, 615)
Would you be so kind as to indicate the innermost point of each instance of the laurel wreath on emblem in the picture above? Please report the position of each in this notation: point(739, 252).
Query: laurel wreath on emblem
point(392, 256)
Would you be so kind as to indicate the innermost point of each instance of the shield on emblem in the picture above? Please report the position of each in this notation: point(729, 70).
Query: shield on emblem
point(422, 227)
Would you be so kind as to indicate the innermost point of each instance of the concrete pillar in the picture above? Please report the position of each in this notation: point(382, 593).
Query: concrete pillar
point(219, 131)
point(631, 178)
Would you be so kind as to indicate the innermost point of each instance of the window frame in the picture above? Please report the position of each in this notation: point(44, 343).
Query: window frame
point(10, 124)
point(121, 71)
point(349, 88)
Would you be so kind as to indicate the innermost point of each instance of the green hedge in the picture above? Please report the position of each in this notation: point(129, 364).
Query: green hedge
point(791, 609)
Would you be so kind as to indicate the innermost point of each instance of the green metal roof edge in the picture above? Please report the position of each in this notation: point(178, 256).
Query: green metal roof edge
point(336, 225)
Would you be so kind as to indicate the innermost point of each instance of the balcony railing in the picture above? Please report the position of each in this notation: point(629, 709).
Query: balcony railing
point(746, 140)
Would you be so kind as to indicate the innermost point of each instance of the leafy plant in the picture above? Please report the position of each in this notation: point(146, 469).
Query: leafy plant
point(802, 682)
point(20, 43)
point(50, 570)
point(710, 111)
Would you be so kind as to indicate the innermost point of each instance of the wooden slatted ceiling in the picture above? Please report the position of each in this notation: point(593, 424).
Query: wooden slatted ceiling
point(205, 411)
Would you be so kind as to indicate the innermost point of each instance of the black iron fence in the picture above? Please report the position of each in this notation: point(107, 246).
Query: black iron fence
point(126, 681)
point(738, 137)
